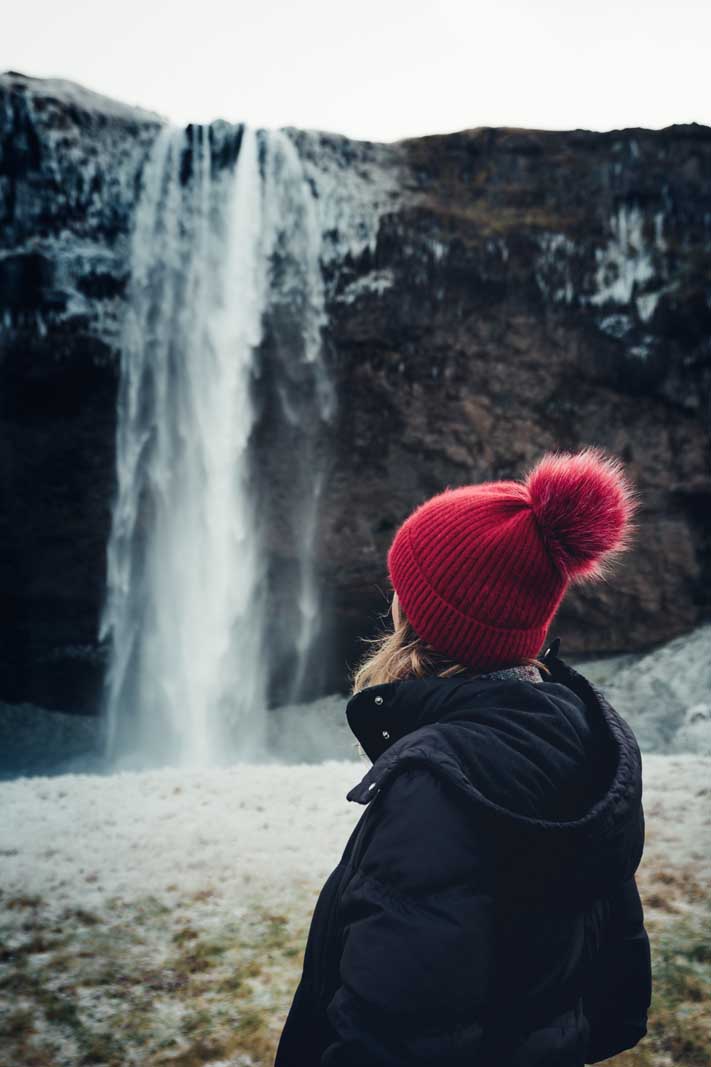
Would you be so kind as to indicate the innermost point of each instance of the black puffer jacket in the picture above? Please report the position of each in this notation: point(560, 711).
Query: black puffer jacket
point(485, 910)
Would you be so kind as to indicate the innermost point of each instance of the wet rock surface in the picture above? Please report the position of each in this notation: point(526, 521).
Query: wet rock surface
point(490, 294)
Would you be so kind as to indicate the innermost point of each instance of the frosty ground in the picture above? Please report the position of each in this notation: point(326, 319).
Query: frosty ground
point(159, 917)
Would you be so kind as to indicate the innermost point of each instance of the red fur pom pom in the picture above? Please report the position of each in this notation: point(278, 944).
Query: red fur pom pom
point(584, 505)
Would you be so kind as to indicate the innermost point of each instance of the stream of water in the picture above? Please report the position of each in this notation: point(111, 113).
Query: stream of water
point(186, 606)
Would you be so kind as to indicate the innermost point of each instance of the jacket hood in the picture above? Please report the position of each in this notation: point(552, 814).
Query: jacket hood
point(549, 767)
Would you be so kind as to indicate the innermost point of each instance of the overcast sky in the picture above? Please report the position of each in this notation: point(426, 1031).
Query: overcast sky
point(379, 69)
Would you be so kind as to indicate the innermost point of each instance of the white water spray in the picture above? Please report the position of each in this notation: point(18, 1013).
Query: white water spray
point(185, 608)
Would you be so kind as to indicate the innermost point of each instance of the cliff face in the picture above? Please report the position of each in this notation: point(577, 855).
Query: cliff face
point(490, 294)
point(532, 291)
point(69, 161)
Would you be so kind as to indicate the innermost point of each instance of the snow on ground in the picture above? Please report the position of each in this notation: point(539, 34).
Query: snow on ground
point(83, 840)
point(675, 873)
point(269, 831)
point(159, 917)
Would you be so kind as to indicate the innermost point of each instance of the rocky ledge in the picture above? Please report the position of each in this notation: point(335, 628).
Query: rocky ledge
point(490, 294)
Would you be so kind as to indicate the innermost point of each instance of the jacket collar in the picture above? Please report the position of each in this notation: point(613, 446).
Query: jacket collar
point(381, 715)
point(599, 841)
point(437, 697)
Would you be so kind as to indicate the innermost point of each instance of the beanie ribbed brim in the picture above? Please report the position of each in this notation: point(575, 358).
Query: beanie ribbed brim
point(469, 641)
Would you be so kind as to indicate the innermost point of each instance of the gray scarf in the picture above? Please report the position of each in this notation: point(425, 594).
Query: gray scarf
point(525, 672)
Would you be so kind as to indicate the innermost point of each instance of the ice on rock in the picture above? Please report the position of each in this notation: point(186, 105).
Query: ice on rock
point(664, 694)
point(625, 262)
point(376, 281)
point(554, 267)
point(630, 269)
point(647, 304)
point(355, 184)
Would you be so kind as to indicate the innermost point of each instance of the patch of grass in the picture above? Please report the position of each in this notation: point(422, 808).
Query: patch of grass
point(253, 1035)
point(186, 933)
point(150, 907)
point(276, 932)
point(680, 1016)
point(18, 982)
point(195, 959)
point(250, 1022)
point(661, 902)
point(81, 915)
point(40, 1055)
point(17, 1024)
point(31, 937)
point(101, 1048)
point(196, 1055)
point(196, 1022)
point(24, 900)
point(669, 890)
point(59, 1009)
point(231, 984)
point(202, 895)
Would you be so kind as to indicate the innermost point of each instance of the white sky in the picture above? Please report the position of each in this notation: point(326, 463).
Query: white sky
point(379, 69)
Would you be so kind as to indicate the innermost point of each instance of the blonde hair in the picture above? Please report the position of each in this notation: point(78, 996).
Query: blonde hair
point(399, 653)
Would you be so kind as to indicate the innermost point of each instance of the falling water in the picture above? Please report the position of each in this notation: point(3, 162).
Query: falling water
point(214, 248)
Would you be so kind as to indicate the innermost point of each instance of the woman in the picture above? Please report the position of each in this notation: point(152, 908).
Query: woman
point(485, 910)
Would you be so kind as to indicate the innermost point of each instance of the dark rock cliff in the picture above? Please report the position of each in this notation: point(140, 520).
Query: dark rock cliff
point(491, 294)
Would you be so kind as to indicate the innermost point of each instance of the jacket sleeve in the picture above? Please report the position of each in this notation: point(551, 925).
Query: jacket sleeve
point(415, 961)
point(619, 988)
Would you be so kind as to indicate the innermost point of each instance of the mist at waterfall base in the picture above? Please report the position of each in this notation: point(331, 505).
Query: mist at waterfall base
point(663, 694)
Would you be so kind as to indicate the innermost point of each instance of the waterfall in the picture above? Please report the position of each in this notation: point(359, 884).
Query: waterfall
point(218, 248)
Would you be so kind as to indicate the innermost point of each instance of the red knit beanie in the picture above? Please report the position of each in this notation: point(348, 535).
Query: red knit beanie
point(481, 570)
